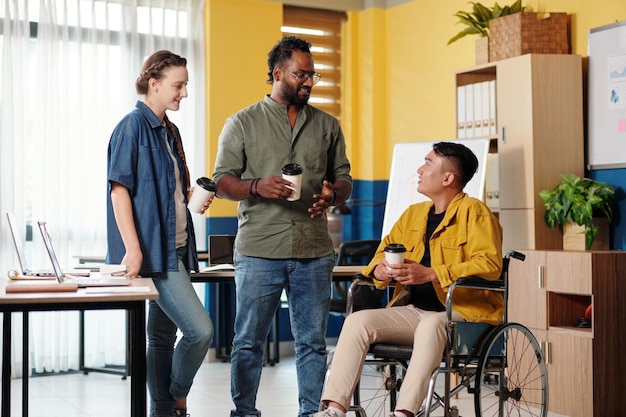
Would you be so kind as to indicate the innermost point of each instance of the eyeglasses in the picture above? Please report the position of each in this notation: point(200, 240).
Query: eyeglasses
point(302, 77)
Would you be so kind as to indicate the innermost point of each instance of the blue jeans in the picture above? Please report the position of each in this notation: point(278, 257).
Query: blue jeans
point(259, 284)
point(170, 371)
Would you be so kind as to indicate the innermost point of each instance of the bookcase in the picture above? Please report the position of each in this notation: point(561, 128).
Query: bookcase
point(538, 135)
point(549, 293)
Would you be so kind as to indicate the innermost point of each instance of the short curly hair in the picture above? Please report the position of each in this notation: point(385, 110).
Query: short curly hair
point(282, 51)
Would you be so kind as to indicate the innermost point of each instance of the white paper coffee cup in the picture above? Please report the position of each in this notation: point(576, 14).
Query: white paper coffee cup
point(204, 189)
point(394, 253)
point(293, 174)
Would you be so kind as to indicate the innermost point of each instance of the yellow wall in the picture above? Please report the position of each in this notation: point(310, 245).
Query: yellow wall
point(419, 68)
point(398, 75)
point(239, 35)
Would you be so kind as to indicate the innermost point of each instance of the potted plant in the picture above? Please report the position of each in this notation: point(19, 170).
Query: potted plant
point(477, 21)
point(578, 200)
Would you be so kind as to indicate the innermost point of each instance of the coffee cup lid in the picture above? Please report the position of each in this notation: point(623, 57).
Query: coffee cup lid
point(292, 169)
point(395, 247)
point(206, 183)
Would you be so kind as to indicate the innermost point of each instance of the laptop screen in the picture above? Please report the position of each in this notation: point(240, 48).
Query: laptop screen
point(17, 242)
point(53, 257)
point(221, 249)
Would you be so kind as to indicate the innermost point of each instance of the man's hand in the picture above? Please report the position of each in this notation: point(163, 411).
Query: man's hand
point(412, 273)
point(274, 187)
point(324, 199)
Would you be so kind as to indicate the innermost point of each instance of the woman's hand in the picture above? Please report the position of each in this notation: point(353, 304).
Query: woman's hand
point(133, 261)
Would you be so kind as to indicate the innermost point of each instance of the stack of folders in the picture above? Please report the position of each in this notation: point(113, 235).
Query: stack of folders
point(476, 110)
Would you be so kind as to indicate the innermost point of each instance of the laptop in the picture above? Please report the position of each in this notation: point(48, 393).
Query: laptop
point(221, 249)
point(25, 272)
point(18, 244)
point(93, 280)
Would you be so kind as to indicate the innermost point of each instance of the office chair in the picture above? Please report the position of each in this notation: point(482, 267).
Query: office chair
point(355, 252)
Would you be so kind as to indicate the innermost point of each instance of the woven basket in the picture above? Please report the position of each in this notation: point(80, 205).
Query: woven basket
point(526, 32)
point(482, 50)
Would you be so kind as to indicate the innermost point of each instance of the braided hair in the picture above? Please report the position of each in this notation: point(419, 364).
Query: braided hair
point(154, 67)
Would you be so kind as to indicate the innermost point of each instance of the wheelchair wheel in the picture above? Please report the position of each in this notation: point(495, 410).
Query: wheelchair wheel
point(511, 378)
point(378, 388)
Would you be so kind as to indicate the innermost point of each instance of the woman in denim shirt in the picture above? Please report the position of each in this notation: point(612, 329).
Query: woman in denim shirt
point(149, 229)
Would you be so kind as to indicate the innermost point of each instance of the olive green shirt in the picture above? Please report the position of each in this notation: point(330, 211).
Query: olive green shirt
point(257, 142)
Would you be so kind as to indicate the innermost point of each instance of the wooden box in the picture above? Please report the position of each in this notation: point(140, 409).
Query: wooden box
point(528, 32)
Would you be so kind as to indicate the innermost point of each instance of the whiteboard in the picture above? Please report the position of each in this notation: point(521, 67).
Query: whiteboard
point(606, 145)
point(407, 158)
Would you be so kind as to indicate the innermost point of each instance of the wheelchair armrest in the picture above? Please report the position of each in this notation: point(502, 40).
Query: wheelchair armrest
point(359, 279)
point(479, 284)
point(474, 283)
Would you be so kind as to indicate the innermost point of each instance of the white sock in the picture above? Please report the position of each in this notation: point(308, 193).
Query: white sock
point(337, 411)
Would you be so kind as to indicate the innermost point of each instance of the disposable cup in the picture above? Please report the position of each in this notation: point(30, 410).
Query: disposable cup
point(394, 253)
point(293, 174)
point(204, 189)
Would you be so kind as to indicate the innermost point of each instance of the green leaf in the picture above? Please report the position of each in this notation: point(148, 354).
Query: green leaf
point(579, 200)
point(477, 21)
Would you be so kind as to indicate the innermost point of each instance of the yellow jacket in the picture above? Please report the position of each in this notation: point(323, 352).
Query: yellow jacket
point(467, 242)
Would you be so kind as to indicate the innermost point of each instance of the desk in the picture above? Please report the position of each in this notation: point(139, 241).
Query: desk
point(133, 302)
point(340, 273)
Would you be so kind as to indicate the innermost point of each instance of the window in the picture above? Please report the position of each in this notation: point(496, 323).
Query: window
point(322, 28)
point(67, 77)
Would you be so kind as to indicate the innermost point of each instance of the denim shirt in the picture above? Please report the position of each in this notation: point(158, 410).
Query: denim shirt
point(139, 160)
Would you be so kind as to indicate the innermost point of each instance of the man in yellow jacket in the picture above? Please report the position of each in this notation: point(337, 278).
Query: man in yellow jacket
point(450, 237)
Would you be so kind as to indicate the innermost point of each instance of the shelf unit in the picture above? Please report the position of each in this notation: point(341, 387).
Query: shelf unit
point(550, 291)
point(539, 136)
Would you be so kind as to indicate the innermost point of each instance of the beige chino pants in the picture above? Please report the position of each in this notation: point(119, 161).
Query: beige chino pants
point(403, 325)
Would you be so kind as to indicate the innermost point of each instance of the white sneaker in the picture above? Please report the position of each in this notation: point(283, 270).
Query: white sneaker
point(326, 413)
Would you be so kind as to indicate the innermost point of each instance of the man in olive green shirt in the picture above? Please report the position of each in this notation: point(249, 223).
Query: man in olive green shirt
point(282, 244)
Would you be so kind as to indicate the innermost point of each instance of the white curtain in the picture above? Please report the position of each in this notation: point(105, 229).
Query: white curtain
point(67, 77)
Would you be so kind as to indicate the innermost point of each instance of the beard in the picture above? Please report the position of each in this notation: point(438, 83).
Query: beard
point(295, 96)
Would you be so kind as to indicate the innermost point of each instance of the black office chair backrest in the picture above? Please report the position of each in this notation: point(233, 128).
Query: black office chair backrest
point(356, 252)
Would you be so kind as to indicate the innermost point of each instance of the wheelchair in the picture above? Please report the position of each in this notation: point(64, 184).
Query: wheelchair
point(501, 366)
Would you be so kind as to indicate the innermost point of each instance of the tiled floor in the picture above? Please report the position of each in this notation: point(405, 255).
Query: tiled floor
point(105, 395)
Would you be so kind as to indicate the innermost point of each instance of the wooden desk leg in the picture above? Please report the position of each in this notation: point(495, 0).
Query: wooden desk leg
point(6, 364)
point(138, 395)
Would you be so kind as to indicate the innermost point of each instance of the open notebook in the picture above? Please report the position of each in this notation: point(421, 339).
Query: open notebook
point(93, 280)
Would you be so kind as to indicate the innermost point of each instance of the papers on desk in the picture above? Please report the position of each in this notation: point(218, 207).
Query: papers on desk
point(109, 290)
point(219, 267)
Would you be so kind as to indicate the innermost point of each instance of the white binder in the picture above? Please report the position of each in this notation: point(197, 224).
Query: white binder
point(460, 112)
point(492, 109)
point(469, 111)
point(492, 182)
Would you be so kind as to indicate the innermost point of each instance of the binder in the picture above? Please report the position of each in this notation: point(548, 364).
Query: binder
point(492, 181)
point(486, 118)
point(493, 130)
point(469, 111)
point(478, 110)
point(460, 112)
